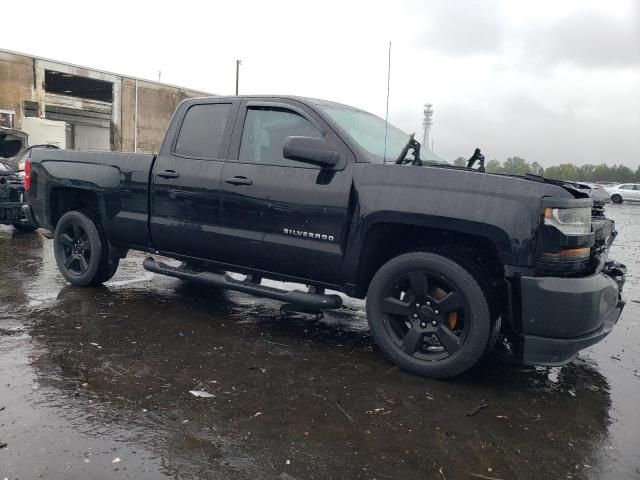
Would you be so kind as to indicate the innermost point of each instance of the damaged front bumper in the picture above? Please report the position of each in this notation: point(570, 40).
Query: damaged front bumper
point(561, 316)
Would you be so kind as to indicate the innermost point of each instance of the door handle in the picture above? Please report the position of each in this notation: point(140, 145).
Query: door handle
point(239, 181)
point(168, 174)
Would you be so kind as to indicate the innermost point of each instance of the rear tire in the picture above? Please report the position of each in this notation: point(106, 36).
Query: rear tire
point(109, 270)
point(409, 306)
point(616, 198)
point(81, 250)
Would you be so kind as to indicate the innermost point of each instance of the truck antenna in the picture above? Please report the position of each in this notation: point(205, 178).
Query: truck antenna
point(386, 115)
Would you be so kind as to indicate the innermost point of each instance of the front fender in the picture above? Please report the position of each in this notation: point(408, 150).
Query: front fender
point(503, 210)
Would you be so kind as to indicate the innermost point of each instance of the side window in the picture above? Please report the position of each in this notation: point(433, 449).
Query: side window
point(202, 129)
point(264, 134)
point(626, 187)
point(637, 186)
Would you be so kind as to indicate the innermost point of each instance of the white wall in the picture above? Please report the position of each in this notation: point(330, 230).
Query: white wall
point(42, 131)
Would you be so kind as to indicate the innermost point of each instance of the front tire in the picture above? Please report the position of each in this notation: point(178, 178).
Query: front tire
point(616, 198)
point(429, 315)
point(81, 251)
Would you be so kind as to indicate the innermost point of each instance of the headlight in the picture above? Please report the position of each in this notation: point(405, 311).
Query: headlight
point(566, 238)
point(570, 221)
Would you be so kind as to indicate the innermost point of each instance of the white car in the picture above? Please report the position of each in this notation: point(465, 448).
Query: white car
point(624, 192)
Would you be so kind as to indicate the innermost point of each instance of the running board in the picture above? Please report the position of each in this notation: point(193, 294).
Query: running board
point(305, 299)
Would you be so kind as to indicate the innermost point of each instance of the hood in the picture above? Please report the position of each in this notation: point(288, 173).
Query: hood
point(578, 190)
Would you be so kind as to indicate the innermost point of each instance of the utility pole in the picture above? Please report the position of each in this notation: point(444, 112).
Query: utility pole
point(238, 63)
point(426, 123)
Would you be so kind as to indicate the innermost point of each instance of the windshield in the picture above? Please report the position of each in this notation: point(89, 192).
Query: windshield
point(368, 131)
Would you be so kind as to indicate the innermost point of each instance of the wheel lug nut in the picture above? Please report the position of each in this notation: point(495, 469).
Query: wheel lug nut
point(423, 325)
point(429, 304)
point(436, 312)
point(434, 323)
point(415, 315)
point(417, 305)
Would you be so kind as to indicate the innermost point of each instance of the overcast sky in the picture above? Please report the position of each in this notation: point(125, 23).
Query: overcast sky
point(549, 80)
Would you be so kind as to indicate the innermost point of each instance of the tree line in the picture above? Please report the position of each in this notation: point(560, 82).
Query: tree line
point(565, 171)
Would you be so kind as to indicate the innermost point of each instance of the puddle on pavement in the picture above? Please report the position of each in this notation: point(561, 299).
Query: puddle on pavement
point(91, 376)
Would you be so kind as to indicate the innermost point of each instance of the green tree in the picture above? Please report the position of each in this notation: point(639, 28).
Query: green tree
point(602, 173)
point(565, 171)
point(585, 173)
point(623, 173)
point(537, 169)
point(460, 162)
point(516, 166)
point(493, 166)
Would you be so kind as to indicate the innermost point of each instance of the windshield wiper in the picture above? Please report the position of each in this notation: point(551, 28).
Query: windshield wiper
point(411, 144)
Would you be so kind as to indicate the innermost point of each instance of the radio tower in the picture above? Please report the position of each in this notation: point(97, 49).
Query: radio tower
point(426, 123)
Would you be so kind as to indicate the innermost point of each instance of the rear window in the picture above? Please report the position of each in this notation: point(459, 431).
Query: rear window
point(202, 130)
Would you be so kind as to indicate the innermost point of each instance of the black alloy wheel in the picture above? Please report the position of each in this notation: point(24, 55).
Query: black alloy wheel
point(76, 248)
point(81, 251)
point(429, 314)
point(425, 315)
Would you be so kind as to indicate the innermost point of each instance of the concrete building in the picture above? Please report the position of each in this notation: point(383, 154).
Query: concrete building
point(84, 108)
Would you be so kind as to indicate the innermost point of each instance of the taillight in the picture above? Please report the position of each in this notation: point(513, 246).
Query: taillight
point(27, 175)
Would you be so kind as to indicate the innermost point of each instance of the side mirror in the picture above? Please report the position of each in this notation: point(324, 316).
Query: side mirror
point(310, 150)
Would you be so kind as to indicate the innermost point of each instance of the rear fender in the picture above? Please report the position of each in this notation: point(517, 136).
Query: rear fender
point(99, 180)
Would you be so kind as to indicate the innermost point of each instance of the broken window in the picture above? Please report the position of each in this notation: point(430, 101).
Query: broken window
point(30, 108)
point(6, 118)
point(77, 86)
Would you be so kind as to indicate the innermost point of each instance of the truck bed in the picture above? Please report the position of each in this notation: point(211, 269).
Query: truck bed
point(122, 179)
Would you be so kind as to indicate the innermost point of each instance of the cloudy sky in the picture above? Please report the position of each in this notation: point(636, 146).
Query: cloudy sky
point(549, 80)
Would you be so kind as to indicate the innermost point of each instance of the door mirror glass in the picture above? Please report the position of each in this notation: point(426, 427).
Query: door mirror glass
point(310, 150)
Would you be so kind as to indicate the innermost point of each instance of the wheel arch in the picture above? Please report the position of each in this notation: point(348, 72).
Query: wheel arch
point(486, 246)
point(64, 199)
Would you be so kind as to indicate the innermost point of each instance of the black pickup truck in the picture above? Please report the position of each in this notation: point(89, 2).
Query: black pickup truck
point(450, 259)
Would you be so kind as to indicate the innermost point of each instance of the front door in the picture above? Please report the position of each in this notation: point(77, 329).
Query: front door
point(185, 196)
point(277, 214)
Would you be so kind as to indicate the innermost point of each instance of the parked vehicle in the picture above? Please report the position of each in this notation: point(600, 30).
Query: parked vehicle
point(12, 192)
point(625, 192)
point(18, 164)
point(302, 190)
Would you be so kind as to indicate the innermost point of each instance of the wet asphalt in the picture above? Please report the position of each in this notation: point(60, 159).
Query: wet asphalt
point(95, 383)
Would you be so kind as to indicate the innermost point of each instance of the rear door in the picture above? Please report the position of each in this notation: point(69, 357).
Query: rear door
point(627, 191)
point(185, 180)
point(281, 215)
